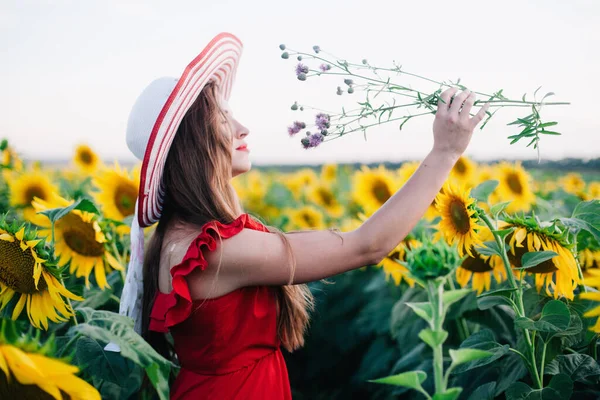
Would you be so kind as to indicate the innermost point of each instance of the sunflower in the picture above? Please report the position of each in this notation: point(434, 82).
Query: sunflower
point(592, 192)
point(329, 173)
point(28, 372)
point(572, 183)
point(307, 217)
point(11, 160)
point(86, 160)
point(322, 195)
point(463, 172)
point(25, 273)
point(298, 181)
point(391, 264)
point(593, 280)
point(27, 185)
point(373, 187)
point(589, 260)
point(481, 268)
point(514, 186)
point(80, 240)
point(459, 220)
point(117, 193)
point(530, 236)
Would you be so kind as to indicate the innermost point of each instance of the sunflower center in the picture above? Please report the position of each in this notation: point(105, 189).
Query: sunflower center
point(477, 265)
point(326, 197)
point(34, 191)
point(514, 183)
point(308, 219)
point(125, 196)
point(460, 167)
point(381, 191)
point(542, 268)
point(86, 157)
point(80, 236)
point(16, 268)
point(395, 255)
point(460, 217)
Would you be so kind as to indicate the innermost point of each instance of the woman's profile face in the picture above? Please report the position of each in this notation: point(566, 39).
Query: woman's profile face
point(240, 160)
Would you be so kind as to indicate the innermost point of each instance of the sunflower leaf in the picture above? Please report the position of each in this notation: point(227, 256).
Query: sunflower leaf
point(462, 356)
point(449, 394)
point(578, 367)
point(555, 318)
point(452, 296)
point(496, 209)
point(503, 232)
point(87, 206)
point(490, 248)
point(482, 340)
point(423, 310)
point(410, 379)
point(484, 189)
point(433, 338)
point(54, 214)
point(534, 258)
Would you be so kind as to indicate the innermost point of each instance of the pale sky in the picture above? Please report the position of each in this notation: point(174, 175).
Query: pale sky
point(71, 70)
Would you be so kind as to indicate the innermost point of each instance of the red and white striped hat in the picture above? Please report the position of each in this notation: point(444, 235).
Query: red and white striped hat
point(161, 106)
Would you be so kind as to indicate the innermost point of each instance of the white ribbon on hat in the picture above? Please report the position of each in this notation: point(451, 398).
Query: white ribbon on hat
point(133, 290)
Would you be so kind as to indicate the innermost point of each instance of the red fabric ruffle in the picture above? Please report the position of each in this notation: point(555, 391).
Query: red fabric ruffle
point(173, 308)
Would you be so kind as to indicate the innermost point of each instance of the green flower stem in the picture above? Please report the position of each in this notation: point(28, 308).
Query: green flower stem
point(435, 290)
point(520, 309)
point(543, 359)
point(579, 270)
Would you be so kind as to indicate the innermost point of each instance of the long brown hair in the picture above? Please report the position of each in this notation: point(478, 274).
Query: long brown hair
point(197, 186)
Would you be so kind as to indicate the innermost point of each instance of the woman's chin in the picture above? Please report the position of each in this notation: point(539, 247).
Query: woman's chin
point(241, 169)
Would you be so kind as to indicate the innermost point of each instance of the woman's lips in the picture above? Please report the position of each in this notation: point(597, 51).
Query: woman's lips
point(243, 148)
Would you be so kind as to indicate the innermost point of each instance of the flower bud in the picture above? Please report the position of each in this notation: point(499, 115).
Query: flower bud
point(317, 49)
point(339, 91)
point(350, 90)
point(364, 61)
point(348, 82)
point(299, 58)
point(302, 76)
point(282, 46)
point(294, 106)
point(285, 55)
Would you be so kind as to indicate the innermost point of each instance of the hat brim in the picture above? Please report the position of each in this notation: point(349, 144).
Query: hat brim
point(217, 62)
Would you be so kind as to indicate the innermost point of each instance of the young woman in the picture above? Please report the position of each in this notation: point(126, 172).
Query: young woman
point(230, 290)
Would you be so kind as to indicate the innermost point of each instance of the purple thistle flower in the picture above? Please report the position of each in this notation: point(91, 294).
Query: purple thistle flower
point(325, 67)
point(296, 127)
point(322, 121)
point(305, 142)
point(315, 140)
point(301, 69)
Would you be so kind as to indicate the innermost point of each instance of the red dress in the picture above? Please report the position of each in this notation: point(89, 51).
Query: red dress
point(227, 346)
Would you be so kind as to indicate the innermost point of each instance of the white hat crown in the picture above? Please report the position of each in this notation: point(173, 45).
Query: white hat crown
point(144, 114)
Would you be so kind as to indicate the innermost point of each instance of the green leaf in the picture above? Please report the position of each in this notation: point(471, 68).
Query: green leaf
point(550, 133)
point(433, 338)
point(578, 367)
point(106, 326)
point(452, 296)
point(482, 340)
point(555, 318)
point(462, 356)
point(563, 385)
point(498, 292)
point(410, 379)
point(503, 232)
point(423, 310)
point(490, 299)
point(54, 214)
point(533, 258)
point(484, 392)
point(490, 248)
point(482, 191)
point(449, 394)
point(546, 124)
point(498, 208)
point(88, 206)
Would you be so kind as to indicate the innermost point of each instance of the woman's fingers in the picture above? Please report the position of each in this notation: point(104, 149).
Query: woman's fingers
point(446, 96)
point(458, 101)
point(467, 106)
point(479, 116)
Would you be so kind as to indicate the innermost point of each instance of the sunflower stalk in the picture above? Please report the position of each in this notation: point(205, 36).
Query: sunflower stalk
point(519, 306)
point(330, 126)
point(435, 292)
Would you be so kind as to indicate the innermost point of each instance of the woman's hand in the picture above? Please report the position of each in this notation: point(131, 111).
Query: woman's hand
point(453, 127)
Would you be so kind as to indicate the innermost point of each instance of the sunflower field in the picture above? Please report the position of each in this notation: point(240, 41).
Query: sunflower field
point(493, 295)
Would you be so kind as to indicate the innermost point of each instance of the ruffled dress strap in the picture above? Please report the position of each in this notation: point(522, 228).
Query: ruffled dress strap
point(173, 308)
